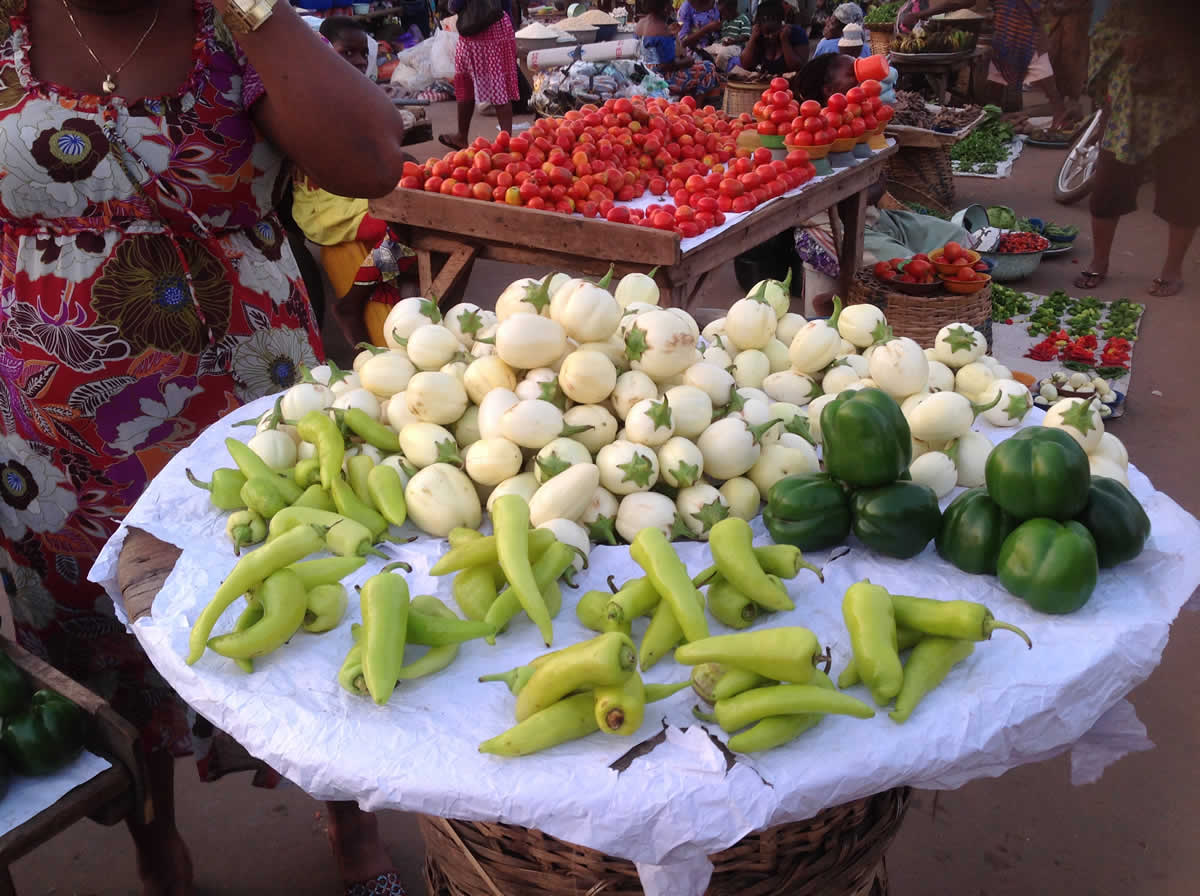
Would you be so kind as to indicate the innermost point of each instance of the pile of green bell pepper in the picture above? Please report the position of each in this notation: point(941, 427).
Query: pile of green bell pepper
point(41, 731)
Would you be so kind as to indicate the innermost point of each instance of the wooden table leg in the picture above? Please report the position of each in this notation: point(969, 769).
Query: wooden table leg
point(853, 214)
point(451, 280)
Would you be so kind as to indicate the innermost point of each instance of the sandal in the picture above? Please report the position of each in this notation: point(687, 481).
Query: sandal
point(386, 884)
point(450, 142)
point(1089, 279)
point(1164, 288)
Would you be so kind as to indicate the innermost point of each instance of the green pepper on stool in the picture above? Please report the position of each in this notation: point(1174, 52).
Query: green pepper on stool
point(46, 736)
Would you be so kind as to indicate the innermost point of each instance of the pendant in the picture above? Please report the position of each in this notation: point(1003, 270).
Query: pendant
point(108, 85)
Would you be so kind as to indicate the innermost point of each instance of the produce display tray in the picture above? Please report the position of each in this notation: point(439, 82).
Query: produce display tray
point(1003, 169)
point(682, 799)
point(907, 135)
point(29, 797)
point(956, 56)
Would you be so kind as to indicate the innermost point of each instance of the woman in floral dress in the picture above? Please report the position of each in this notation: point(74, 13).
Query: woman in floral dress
point(147, 289)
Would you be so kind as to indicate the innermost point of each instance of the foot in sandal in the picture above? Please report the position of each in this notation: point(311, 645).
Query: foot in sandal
point(1166, 286)
point(452, 141)
point(1090, 279)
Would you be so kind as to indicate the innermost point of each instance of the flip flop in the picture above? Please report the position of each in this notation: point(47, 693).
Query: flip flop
point(449, 142)
point(386, 884)
point(1165, 288)
point(1090, 279)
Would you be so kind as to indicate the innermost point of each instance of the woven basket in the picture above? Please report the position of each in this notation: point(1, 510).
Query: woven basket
point(740, 96)
point(838, 852)
point(920, 317)
point(925, 169)
point(909, 193)
point(881, 38)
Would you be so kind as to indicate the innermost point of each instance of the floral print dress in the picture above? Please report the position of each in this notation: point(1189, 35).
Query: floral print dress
point(146, 289)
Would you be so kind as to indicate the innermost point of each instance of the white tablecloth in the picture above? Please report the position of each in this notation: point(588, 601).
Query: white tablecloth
point(1005, 706)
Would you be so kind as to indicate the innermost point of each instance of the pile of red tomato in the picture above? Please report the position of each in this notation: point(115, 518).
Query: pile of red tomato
point(776, 108)
point(967, 268)
point(857, 112)
point(918, 269)
point(591, 159)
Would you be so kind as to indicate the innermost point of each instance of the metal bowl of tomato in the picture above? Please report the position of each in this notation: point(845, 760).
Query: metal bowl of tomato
point(1016, 256)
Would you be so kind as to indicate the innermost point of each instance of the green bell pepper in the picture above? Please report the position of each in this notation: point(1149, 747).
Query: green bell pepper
point(1116, 520)
point(46, 736)
point(1052, 566)
point(1039, 472)
point(973, 529)
point(808, 510)
point(865, 438)
point(14, 687)
point(897, 519)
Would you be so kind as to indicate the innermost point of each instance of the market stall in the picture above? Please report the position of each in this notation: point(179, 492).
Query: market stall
point(927, 135)
point(655, 784)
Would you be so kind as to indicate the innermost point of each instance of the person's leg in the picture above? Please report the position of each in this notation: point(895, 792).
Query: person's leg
point(163, 860)
point(1114, 194)
point(504, 117)
point(357, 846)
point(1175, 201)
point(1104, 230)
point(1170, 281)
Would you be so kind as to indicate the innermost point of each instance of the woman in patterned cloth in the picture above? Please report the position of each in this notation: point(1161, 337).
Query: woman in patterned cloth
point(485, 71)
point(146, 290)
point(1146, 87)
point(662, 54)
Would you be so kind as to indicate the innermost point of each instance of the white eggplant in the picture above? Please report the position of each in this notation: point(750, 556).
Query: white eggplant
point(525, 341)
point(1080, 419)
point(358, 398)
point(941, 377)
point(750, 368)
point(426, 444)
point(936, 470)
point(789, 325)
point(973, 380)
point(1107, 467)
point(742, 496)
point(731, 446)
point(573, 535)
point(431, 347)
point(587, 377)
point(970, 454)
point(593, 425)
point(491, 461)
point(276, 449)
point(712, 379)
point(1014, 403)
point(304, 397)
point(466, 430)
point(795, 388)
point(523, 484)
point(1113, 448)
point(645, 510)
point(532, 423)
point(957, 345)
point(464, 320)
point(558, 456)
point(839, 377)
point(900, 367)
point(631, 387)
point(566, 495)
point(660, 343)
point(627, 467)
point(750, 323)
point(700, 507)
point(691, 409)
point(436, 397)
point(636, 287)
point(524, 296)
point(779, 460)
point(600, 516)
point(588, 312)
point(814, 415)
point(863, 325)
point(405, 316)
point(680, 462)
point(816, 343)
point(944, 416)
point(485, 374)
point(397, 413)
point(440, 498)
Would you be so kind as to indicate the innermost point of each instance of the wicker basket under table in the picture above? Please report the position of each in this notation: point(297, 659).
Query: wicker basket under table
point(920, 317)
point(740, 96)
point(927, 169)
point(880, 37)
point(838, 852)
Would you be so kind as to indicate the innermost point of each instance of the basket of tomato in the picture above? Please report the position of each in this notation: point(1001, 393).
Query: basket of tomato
point(1016, 255)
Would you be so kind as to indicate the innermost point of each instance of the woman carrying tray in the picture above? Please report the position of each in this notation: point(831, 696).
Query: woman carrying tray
point(147, 291)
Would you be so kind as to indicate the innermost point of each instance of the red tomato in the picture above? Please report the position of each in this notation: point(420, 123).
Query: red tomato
point(779, 117)
point(626, 193)
point(725, 203)
point(750, 180)
point(682, 197)
point(732, 187)
point(802, 138)
point(706, 204)
point(460, 189)
point(981, 267)
point(951, 251)
point(810, 108)
point(481, 190)
point(854, 110)
point(761, 156)
point(859, 127)
point(885, 113)
point(872, 87)
point(766, 173)
point(921, 256)
point(433, 184)
point(743, 204)
point(834, 119)
point(855, 95)
point(779, 84)
point(685, 213)
point(882, 269)
point(618, 214)
point(657, 186)
point(720, 218)
point(663, 221)
point(797, 158)
point(837, 102)
point(410, 182)
point(918, 268)
point(814, 124)
point(870, 122)
point(706, 219)
point(688, 229)
point(768, 128)
point(844, 131)
point(780, 98)
point(537, 202)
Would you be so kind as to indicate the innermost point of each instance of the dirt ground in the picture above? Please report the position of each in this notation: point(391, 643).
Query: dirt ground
point(1030, 831)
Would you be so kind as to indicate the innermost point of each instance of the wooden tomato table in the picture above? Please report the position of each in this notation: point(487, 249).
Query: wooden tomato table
point(448, 233)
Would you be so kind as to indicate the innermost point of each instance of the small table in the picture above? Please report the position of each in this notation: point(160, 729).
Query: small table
point(938, 71)
point(448, 233)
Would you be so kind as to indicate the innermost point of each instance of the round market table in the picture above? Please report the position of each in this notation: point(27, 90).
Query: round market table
point(677, 797)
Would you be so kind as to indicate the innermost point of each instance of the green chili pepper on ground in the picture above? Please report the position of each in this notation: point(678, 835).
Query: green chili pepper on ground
point(384, 602)
point(252, 466)
point(871, 622)
point(653, 553)
point(317, 498)
point(474, 591)
point(656, 692)
point(607, 659)
point(663, 634)
point(782, 654)
point(547, 569)
point(783, 560)
point(264, 496)
point(326, 570)
point(357, 470)
point(370, 430)
point(343, 536)
point(322, 432)
point(245, 527)
point(460, 535)
point(906, 639)
point(731, 541)
point(483, 550)
point(440, 630)
point(775, 731)
point(751, 706)
point(928, 665)
point(592, 612)
point(510, 518)
point(350, 506)
point(249, 573)
point(566, 720)
point(620, 709)
point(386, 489)
point(350, 675)
point(307, 472)
point(249, 616)
point(514, 679)
point(959, 619)
point(436, 658)
point(729, 606)
point(283, 605)
point(224, 489)
point(716, 681)
point(637, 597)
point(325, 607)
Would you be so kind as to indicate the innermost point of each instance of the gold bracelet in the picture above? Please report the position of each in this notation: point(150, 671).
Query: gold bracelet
point(244, 16)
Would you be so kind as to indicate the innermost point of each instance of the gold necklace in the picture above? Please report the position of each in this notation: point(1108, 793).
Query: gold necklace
point(109, 85)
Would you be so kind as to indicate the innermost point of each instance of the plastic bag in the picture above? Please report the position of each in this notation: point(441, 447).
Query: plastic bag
point(414, 68)
point(442, 53)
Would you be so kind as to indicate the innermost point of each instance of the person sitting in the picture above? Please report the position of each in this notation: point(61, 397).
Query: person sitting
point(699, 22)
point(774, 48)
point(346, 232)
point(844, 15)
point(851, 43)
point(888, 234)
point(685, 75)
point(735, 31)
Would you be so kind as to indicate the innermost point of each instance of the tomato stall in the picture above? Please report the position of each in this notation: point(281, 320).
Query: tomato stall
point(614, 601)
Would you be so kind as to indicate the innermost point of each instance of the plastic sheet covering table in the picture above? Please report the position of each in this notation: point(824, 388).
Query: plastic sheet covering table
point(671, 808)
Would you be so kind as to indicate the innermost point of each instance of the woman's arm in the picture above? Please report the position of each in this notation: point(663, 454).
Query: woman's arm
point(794, 58)
point(752, 52)
point(698, 35)
point(935, 8)
point(307, 88)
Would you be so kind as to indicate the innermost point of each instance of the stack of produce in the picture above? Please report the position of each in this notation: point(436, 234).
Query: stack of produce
point(985, 147)
point(852, 115)
point(40, 731)
point(911, 109)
